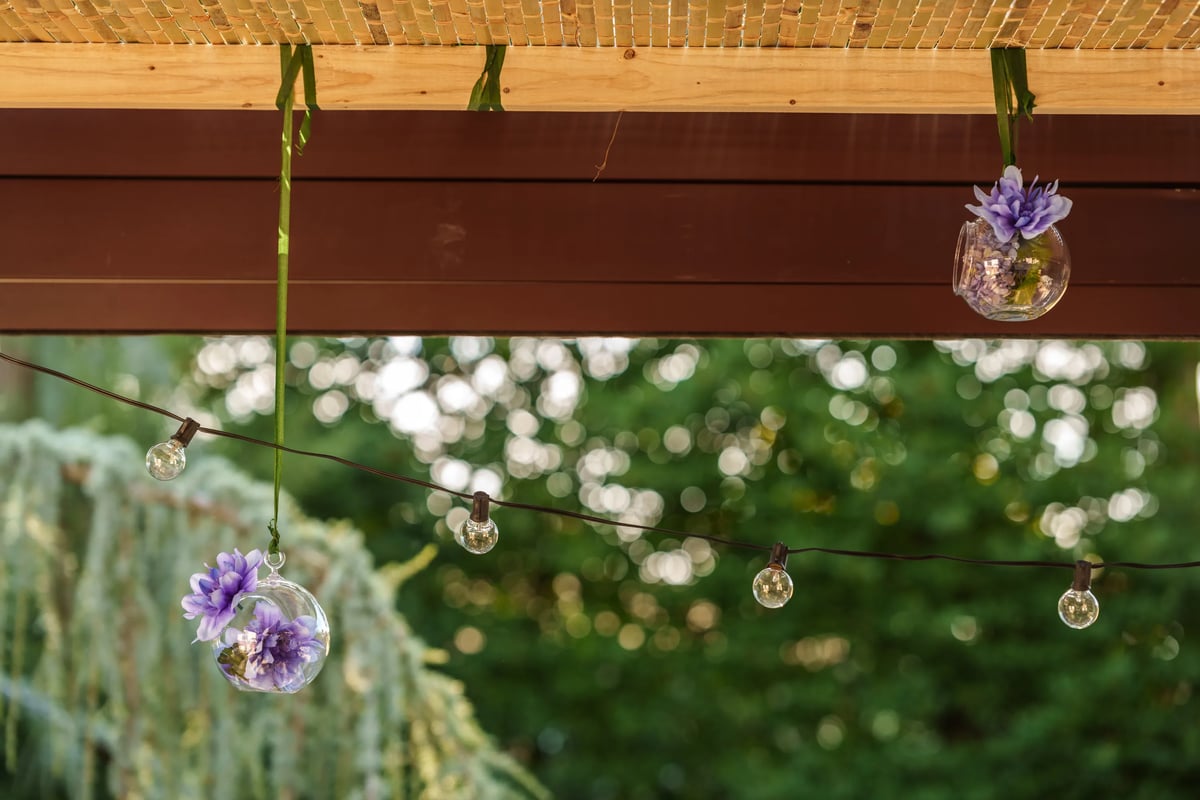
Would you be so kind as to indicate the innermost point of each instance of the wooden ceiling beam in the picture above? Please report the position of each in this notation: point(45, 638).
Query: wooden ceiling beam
point(599, 79)
point(374, 232)
point(1079, 150)
point(137, 255)
point(718, 224)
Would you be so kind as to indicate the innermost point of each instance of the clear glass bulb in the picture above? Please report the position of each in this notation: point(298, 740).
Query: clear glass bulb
point(1078, 609)
point(772, 587)
point(477, 537)
point(166, 460)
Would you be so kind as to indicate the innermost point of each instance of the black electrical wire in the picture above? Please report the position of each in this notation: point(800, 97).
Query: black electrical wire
point(575, 514)
point(373, 470)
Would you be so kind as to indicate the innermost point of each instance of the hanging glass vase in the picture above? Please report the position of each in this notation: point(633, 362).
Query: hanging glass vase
point(278, 640)
point(1010, 281)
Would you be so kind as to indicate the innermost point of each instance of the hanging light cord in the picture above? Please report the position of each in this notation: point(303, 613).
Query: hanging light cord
point(573, 514)
point(984, 561)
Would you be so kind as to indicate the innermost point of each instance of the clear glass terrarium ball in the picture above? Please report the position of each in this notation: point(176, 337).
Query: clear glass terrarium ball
point(1010, 281)
point(772, 587)
point(477, 537)
point(1078, 609)
point(278, 641)
point(166, 460)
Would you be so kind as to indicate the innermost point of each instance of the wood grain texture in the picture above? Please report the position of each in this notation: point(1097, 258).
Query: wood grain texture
point(705, 224)
point(562, 146)
point(601, 79)
point(553, 232)
point(568, 258)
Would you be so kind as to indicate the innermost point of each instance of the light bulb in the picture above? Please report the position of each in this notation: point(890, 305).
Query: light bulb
point(1078, 607)
point(477, 537)
point(479, 533)
point(166, 460)
point(772, 586)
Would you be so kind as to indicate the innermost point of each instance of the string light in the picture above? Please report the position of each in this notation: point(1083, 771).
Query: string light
point(479, 533)
point(1078, 607)
point(166, 460)
point(773, 587)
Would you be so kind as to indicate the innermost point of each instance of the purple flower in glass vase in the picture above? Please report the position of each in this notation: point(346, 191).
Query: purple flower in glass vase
point(1012, 209)
point(271, 651)
point(215, 594)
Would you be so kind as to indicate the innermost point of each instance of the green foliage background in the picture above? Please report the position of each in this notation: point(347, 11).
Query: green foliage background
point(925, 681)
point(103, 695)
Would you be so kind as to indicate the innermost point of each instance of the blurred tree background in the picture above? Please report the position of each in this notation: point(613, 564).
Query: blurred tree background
point(620, 665)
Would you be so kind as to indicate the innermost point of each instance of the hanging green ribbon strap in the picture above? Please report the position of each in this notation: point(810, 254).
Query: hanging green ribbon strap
point(485, 96)
point(291, 64)
point(1013, 98)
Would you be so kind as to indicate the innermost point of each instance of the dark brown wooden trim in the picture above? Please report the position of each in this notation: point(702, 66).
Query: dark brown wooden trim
point(573, 309)
point(875, 148)
point(531, 232)
point(702, 224)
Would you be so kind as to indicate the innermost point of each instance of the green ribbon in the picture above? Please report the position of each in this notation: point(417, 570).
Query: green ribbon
point(1010, 82)
point(291, 64)
point(485, 96)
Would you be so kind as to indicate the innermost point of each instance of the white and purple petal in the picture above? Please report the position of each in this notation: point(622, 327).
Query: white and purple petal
point(215, 595)
point(1011, 209)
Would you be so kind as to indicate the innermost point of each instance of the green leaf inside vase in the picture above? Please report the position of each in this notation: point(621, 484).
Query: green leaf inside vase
point(1024, 291)
point(1035, 252)
point(234, 659)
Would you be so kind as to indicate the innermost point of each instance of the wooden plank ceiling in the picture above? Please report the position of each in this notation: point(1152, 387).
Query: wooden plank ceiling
point(854, 24)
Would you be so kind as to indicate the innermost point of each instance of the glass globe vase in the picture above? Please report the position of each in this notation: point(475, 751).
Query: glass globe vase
point(1010, 281)
point(278, 641)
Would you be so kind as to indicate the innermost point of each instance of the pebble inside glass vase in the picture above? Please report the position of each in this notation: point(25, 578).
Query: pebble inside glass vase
point(1010, 281)
point(279, 639)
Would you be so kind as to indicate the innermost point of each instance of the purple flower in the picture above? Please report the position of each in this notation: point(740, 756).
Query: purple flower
point(271, 651)
point(987, 286)
point(1011, 209)
point(215, 595)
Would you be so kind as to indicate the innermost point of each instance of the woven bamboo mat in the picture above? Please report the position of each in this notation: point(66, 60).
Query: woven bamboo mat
point(958, 24)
